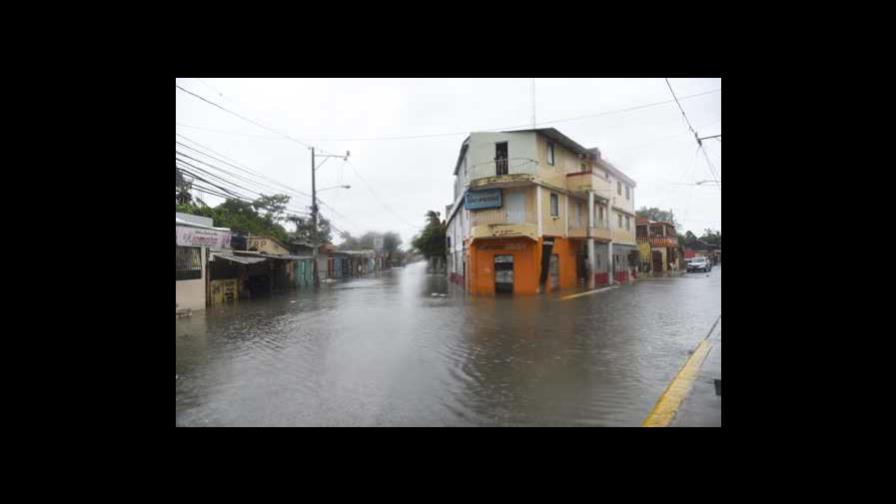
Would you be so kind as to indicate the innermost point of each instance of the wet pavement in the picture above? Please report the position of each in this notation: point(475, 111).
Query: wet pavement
point(703, 405)
point(382, 351)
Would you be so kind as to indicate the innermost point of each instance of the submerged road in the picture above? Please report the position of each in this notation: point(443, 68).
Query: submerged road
point(383, 351)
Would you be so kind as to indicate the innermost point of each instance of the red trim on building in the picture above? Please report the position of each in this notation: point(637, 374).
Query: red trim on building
point(456, 278)
point(601, 278)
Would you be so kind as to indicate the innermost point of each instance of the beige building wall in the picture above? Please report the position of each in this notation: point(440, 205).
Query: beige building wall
point(480, 155)
point(264, 244)
point(191, 293)
point(555, 226)
point(499, 215)
point(565, 161)
point(620, 233)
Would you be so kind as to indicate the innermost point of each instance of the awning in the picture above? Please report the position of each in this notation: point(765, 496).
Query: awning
point(282, 257)
point(238, 259)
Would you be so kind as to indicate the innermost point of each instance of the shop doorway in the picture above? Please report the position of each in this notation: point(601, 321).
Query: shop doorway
point(504, 274)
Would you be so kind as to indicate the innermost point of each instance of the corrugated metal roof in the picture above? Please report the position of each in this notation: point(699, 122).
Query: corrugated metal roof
point(238, 259)
point(287, 257)
point(181, 222)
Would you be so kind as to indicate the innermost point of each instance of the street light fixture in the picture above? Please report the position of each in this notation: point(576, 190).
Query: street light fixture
point(335, 187)
point(709, 182)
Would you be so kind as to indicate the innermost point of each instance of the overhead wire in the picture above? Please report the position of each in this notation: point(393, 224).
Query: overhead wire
point(688, 121)
point(466, 132)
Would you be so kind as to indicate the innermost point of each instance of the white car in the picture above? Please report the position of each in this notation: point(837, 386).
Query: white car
point(699, 263)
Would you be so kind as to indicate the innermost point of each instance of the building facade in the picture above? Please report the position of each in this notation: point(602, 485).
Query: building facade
point(195, 240)
point(536, 212)
point(659, 245)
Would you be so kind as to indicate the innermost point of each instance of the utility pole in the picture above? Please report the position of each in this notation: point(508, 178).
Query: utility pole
point(315, 235)
point(314, 218)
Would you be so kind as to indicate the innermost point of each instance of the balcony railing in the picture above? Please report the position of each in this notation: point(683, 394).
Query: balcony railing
point(662, 241)
point(501, 166)
point(502, 216)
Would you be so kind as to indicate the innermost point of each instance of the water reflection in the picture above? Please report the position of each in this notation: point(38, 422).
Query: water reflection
point(385, 351)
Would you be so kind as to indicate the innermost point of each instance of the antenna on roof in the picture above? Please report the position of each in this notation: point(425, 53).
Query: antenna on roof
point(533, 103)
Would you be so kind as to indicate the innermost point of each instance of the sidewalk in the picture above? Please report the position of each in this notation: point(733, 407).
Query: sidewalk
point(702, 407)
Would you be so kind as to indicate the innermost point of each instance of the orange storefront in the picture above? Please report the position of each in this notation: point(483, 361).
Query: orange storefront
point(516, 265)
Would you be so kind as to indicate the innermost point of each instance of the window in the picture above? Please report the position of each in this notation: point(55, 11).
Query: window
point(449, 242)
point(501, 158)
point(619, 188)
point(555, 205)
point(620, 220)
point(628, 223)
point(550, 154)
point(465, 166)
point(627, 192)
point(516, 207)
point(584, 168)
point(189, 263)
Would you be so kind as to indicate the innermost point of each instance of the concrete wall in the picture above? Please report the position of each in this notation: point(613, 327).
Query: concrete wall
point(191, 293)
point(621, 234)
point(553, 226)
point(268, 245)
point(565, 161)
point(481, 154)
point(526, 267)
point(223, 291)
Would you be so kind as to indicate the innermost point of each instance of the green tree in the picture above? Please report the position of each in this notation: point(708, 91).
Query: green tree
point(274, 207)
point(182, 188)
point(305, 230)
point(431, 241)
point(349, 242)
point(712, 237)
point(656, 214)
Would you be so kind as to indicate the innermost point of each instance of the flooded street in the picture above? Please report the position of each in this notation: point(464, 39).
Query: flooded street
point(382, 351)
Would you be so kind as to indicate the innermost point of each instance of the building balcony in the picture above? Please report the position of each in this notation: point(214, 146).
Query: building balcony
point(502, 172)
point(582, 182)
point(505, 231)
point(659, 241)
point(501, 223)
point(601, 231)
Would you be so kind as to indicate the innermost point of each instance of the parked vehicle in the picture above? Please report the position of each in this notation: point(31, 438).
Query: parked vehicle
point(699, 263)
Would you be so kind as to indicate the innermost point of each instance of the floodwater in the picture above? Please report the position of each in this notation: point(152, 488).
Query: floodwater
point(382, 351)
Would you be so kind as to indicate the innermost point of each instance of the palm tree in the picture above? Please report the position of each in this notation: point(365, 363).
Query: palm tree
point(433, 217)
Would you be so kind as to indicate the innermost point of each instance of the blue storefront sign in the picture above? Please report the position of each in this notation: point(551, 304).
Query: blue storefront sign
point(475, 200)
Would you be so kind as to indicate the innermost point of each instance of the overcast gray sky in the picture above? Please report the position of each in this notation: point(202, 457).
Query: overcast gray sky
point(406, 177)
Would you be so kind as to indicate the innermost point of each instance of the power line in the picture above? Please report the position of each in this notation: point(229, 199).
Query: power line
point(680, 108)
point(466, 132)
point(242, 117)
point(247, 170)
point(225, 181)
point(369, 188)
point(699, 143)
point(203, 179)
point(243, 167)
point(256, 123)
point(266, 187)
point(178, 153)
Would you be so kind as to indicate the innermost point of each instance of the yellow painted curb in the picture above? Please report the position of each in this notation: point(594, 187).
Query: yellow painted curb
point(573, 296)
point(671, 398)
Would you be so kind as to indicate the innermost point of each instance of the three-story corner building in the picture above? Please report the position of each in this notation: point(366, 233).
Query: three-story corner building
point(534, 212)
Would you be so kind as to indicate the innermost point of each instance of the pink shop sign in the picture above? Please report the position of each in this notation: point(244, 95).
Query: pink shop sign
point(197, 237)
